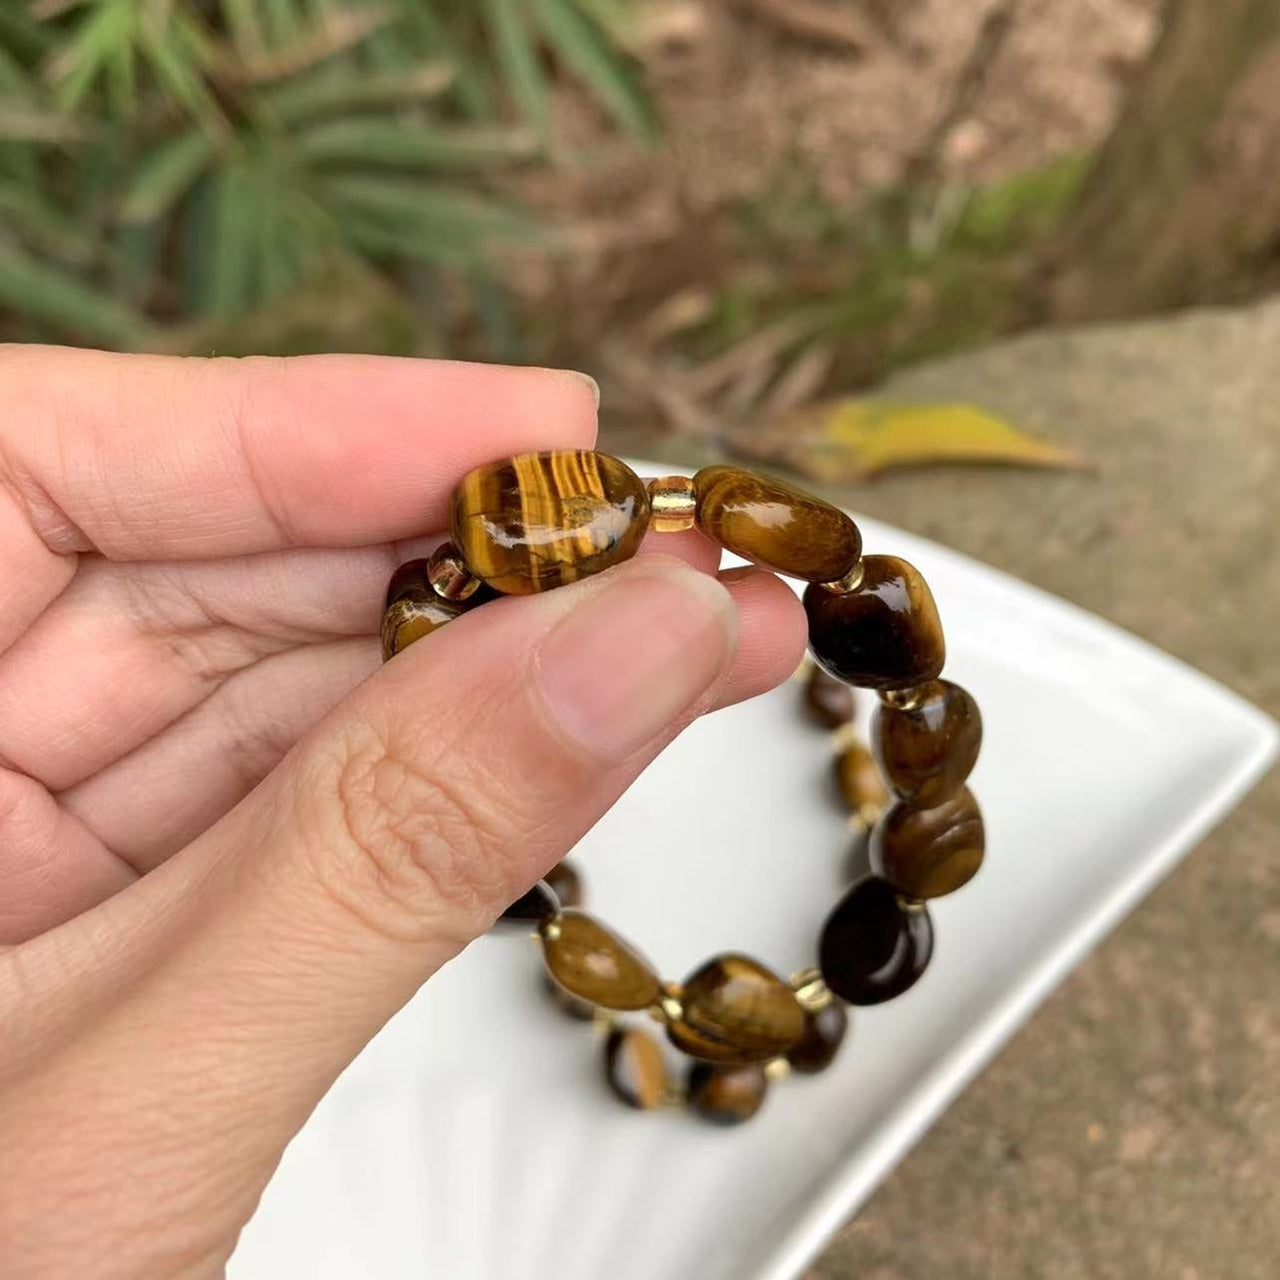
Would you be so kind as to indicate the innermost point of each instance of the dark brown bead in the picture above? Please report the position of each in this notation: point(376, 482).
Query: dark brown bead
point(413, 609)
point(566, 880)
point(539, 520)
point(634, 1068)
point(859, 782)
point(533, 907)
point(726, 1095)
point(775, 524)
point(928, 749)
point(735, 1010)
point(884, 634)
point(595, 964)
point(925, 853)
point(873, 947)
point(828, 701)
point(570, 1005)
point(824, 1031)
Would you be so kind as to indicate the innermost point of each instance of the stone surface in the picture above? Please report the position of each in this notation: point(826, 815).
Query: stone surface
point(1157, 1155)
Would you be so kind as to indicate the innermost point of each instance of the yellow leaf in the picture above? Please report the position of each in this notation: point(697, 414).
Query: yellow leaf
point(846, 440)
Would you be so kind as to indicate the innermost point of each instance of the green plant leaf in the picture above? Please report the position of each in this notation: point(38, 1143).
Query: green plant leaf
point(166, 175)
point(515, 49)
point(421, 220)
point(586, 50)
point(58, 297)
point(375, 141)
point(344, 89)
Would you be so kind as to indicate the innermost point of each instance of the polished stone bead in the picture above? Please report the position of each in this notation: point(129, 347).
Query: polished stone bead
point(736, 1010)
point(539, 520)
point(531, 908)
point(595, 964)
point(771, 523)
point(858, 781)
point(824, 1031)
point(873, 947)
point(726, 1095)
point(925, 853)
point(884, 634)
point(413, 609)
point(828, 701)
point(928, 749)
point(634, 1068)
point(570, 1005)
point(566, 880)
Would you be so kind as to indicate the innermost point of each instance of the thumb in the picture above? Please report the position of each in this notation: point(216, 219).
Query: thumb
point(267, 953)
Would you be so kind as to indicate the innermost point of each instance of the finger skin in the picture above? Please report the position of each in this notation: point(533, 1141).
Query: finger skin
point(160, 796)
point(160, 457)
point(221, 995)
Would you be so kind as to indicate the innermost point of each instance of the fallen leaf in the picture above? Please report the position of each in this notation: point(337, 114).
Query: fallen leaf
point(848, 440)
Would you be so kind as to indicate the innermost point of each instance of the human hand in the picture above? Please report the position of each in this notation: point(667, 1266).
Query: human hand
point(231, 845)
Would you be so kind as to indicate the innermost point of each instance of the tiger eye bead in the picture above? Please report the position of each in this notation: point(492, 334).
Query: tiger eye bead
point(634, 1068)
point(859, 781)
point(566, 882)
point(539, 520)
point(928, 749)
point(571, 1006)
point(726, 1095)
point(413, 609)
point(925, 853)
point(735, 1010)
point(873, 947)
point(592, 962)
point(531, 908)
point(824, 1031)
point(828, 701)
point(773, 524)
point(883, 634)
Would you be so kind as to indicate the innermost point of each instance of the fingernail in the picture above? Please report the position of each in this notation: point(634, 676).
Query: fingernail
point(590, 381)
point(636, 654)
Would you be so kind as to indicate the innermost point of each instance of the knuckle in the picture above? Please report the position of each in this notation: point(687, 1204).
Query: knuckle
point(413, 850)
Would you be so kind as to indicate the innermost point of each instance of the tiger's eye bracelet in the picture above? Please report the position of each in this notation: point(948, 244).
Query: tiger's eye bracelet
point(537, 521)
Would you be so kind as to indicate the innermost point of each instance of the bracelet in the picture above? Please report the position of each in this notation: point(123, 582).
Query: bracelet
point(537, 521)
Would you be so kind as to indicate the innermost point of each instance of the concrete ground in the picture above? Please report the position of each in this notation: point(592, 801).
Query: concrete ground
point(1155, 1154)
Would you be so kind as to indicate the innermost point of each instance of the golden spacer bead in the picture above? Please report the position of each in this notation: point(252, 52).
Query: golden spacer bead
point(673, 505)
point(448, 574)
point(812, 993)
point(903, 699)
point(850, 582)
point(777, 1069)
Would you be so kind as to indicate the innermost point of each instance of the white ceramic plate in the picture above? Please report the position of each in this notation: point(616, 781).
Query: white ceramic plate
point(473, 1140)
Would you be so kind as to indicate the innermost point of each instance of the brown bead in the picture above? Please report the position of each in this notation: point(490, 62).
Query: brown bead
point(594, 963)
point(873, 946)
point(824, 1031)
point(726, 1095)
point(884, 634)
point(925, 853)
point(828, 701)
point(539, 520)
point(413, 609)
point(735, 1010)
point(570, 1005)
point(859, 782)
point(928, 749)
point(634, 1068)
point(566, 881)
point(536, 905)
point(776, 525)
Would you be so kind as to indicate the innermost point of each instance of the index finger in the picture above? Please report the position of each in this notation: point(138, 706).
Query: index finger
point(162, 457)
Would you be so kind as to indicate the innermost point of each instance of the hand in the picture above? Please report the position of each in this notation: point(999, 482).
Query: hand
point(232, 845)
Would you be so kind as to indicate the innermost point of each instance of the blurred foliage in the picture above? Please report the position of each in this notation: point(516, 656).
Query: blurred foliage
point(169, 169)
